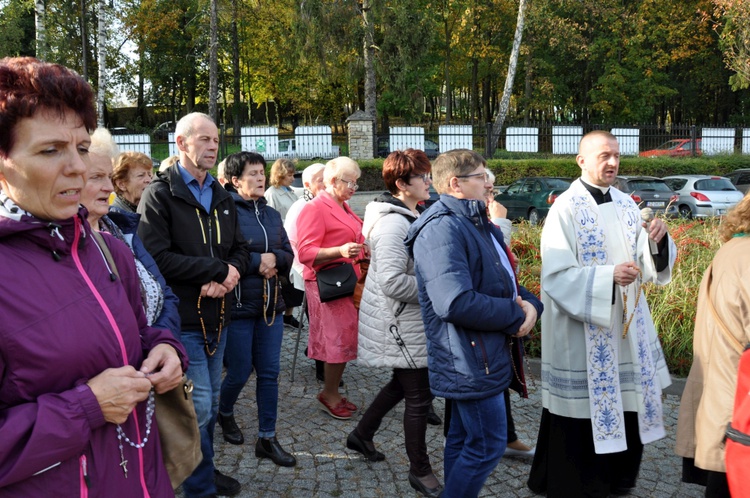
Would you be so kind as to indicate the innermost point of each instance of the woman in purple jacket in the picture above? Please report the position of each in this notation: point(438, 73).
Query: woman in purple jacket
point(78, 364)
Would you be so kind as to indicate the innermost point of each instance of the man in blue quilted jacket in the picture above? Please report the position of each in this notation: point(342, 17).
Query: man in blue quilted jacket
point(472, 306)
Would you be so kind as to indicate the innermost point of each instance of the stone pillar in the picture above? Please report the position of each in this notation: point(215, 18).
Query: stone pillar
point(361, 136)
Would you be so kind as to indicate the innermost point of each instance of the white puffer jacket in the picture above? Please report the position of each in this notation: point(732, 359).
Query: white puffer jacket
point(390, 282)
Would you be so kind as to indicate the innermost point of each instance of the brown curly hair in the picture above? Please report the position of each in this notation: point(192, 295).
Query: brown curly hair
point(737, 220)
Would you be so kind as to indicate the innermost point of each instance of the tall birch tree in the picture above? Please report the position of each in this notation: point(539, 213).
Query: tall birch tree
point(508, 90)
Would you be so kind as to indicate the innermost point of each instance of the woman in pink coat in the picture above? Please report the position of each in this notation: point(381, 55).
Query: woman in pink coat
point(329, 232)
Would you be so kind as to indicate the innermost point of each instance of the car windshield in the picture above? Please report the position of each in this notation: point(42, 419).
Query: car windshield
point(672, 144)
point(714, 184)
point(650, 185)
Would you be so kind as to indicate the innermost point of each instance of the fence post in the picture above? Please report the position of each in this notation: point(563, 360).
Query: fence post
point(488, 148)
point(694, 140)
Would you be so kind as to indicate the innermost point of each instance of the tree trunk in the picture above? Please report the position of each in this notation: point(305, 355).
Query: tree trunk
point(213, 57)
point(41, 32)
point(84, 48)
point(369, 60)
point(474, 95)
point(236, 72)
point(503, 111)
point(102, 54)
point(448, 88)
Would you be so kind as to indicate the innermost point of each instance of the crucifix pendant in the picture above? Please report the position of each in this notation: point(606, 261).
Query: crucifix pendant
point(124, 465)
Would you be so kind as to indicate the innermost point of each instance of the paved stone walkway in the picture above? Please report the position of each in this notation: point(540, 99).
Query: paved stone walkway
point(326, 468)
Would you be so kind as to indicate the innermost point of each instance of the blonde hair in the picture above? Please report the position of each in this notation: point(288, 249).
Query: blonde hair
point(737, 220)
point(103, 144)
point(338, 166)
point(281, 167)
point(165, 164)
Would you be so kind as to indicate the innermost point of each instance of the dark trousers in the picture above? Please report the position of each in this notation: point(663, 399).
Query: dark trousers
point(715, 482)
point(413, 386)
point(566, 466)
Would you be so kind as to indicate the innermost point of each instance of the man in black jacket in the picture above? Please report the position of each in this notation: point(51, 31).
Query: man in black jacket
point(189, 225)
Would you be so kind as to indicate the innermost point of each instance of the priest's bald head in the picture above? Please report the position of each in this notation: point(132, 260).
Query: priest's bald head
point(599, 158)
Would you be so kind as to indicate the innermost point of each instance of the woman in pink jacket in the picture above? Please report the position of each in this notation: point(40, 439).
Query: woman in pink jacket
point(329, 232)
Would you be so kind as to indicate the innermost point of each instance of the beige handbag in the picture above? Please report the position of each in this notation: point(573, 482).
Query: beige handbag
point(178, 431)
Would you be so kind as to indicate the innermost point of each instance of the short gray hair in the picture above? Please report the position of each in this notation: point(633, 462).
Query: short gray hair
point(311, 171)
point(184, 127)
point(103, 144)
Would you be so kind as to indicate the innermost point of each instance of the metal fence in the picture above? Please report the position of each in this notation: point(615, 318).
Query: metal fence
point(318, 142)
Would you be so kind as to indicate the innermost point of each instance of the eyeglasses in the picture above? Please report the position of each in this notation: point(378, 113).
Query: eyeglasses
point(349, 184)
point(426, 177)
point(484, 176)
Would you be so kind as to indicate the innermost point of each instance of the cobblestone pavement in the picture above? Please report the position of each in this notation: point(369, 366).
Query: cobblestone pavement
point(325, 468)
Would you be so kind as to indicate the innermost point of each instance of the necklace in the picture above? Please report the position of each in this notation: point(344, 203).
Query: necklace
point(218, 327)
point(639, 291)
point(265, 301)
point(121, 433)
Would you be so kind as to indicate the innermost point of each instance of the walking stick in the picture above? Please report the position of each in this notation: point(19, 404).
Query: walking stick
point(299, 333)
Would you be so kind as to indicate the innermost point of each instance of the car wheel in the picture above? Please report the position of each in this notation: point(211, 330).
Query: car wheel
point(533, 217)
point(686, 212)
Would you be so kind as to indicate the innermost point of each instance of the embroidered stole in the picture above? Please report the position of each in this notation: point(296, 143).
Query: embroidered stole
point(606, 235)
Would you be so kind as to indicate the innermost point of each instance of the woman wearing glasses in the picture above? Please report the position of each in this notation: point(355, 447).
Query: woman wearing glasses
point(391, 331)
point(328, 232)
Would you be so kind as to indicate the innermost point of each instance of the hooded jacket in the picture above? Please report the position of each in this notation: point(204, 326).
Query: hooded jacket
point(192, 247)
point(65, 319)
point(261, 226)
point(467, 299)
point(389, 312)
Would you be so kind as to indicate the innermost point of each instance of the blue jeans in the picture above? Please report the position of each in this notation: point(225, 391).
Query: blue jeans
point(476, 441)
point(205, 372)
point(253, 344)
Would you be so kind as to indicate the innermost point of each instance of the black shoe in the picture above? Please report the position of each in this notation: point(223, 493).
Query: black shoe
point(225, 485)
point(269, 447)
point(232, 433)
point(367, 448)
point(291, 321)
point(432, 417)
point(421, 488)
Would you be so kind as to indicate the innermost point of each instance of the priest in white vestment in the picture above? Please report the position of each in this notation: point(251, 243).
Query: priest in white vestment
point(603, 369)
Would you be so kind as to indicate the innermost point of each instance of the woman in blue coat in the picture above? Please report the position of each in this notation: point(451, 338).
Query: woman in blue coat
point(254, 339)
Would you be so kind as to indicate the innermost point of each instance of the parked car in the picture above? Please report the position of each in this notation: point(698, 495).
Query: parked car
point(740, 178)
point(675, 148)
point(162, 131)
point(288, 148)
point(122, 130)
point(531, 198)
point(702, 196)
point(649, 191)
point(430, 147)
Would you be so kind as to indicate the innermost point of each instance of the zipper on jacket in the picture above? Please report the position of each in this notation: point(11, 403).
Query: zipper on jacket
point(484, 355)
point(218, 227)
point(267, 283)
point(84, 476)
point(210, 235)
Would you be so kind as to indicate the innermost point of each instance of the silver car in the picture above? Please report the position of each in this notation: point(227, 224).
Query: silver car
point(702, 196)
